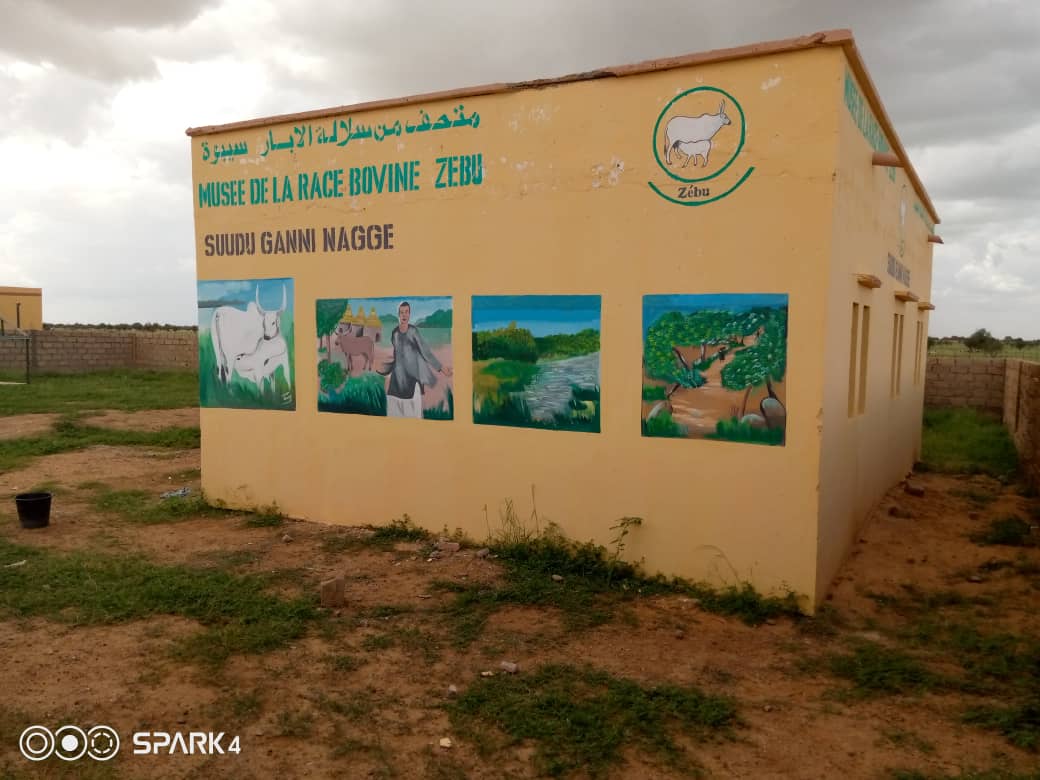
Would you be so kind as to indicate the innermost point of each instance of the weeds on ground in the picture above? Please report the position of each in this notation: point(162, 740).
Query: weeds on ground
point(968, 774)
point(70, 434)
point(294, 723)
point(581, 719)
point(139, 506)
point(874, 669)
point(91, 589)
point(1011, 531)
point(265, 517)
point(966, 441)
point(125, 390)
point(1019, 723)
point(383, 537)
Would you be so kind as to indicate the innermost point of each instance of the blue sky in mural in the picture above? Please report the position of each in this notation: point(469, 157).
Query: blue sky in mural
point(422, 306)
point(543, 315)
point(240, 292)
point(656, 305)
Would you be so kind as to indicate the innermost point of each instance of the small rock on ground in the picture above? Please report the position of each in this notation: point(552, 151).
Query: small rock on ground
point(913, 489)
point(557, 578)
point(510, 667)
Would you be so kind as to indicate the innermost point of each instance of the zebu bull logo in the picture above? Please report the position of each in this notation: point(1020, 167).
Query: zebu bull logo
point(697, 139)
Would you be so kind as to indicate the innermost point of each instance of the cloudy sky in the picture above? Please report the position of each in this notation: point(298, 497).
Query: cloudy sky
point(95, 205)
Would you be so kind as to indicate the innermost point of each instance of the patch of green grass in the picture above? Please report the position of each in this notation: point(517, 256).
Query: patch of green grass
point(265, 517)
point(903, 738)
point(977, 497)
point(1011, 531)
point(401, 529)
point(412, 640)
point(594, 585)
point(737, 430)
point(126, 390)
point(139, 506)
point(968, 774)
point(874, 670)
point(582, 719)
point(238, 616)
point(69, 434)
point(344, 662)
point(1019, 723)
point(355, 707)
point(965, 441)
point(50, 486)
point(294, 723)
point(377, 642)
point(238, 708)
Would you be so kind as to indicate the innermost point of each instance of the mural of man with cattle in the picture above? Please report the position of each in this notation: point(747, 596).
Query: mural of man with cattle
point(246, 353)
point(395, 361)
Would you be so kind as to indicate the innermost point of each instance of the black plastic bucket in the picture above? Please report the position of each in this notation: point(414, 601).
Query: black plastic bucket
point(34, 509)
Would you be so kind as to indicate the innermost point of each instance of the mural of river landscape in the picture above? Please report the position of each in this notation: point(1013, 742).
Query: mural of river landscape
point(246, 344)
point(536, 361)
point(714, 367)
point(387, 357)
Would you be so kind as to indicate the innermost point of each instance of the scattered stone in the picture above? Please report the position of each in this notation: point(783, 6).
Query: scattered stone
point(770, 622)
point(975, 578)
point(913, 489)
point(768, 708)
point(449, 546)
point(557, 578)
point(679, 633)
point(286, 538)
point(484, 552)
point(510, 667)
point(179, 493)
point(487, 674)
point(898, 511)
point(333, 592)
point(445, 742)
point(453, 690)
point(424, 595)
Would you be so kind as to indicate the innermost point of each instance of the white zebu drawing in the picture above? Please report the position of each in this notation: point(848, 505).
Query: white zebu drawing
point(691, 130)
point(692, 150)
point(238, 332)
point(259, 366)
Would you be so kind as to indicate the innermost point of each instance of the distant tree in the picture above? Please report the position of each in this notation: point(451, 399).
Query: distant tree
point(982, 341)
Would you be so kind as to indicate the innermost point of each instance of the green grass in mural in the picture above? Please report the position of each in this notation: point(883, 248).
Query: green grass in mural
point(126, 390)
point(503, 376)
point(968, 442)
point(735, 430)
point(365, 394)
point(241, 393)
point(582, 412)
point(562, 345)
point(445, 411)
point(663, 426)
point(654, 393)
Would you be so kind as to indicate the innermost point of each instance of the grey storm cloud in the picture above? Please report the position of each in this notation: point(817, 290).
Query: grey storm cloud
point(958, 78)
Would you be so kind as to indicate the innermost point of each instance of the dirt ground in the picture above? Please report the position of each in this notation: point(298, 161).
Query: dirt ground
point(796, 722)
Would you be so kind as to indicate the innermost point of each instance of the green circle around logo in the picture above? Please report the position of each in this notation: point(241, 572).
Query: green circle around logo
point(657, 127)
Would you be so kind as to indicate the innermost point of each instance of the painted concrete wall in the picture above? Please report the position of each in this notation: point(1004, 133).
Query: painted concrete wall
point(879, 228)
point(80, 350)
point(22, 305)
point(573, 201)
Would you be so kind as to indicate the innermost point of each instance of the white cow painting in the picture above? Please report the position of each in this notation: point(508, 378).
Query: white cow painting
point(246, 341)
point(692, 135)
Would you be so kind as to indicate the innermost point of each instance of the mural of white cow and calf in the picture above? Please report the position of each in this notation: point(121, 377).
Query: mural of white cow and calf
point(246, 344)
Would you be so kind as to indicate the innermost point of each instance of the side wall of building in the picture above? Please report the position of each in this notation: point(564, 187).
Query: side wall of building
point(874, 373)
point(22, 307)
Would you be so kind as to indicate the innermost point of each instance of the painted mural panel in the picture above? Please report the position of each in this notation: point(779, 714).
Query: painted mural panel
point(246, 344)
point(536, 361)
point(714, 367)
point(387, 357)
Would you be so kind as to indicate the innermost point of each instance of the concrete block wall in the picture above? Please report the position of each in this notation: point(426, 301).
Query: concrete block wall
point(1022, 414)
point(69, 350)
point(970, 382)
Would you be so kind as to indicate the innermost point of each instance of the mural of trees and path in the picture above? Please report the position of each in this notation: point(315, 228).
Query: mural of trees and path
point(714, 367)
point(536, 361)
